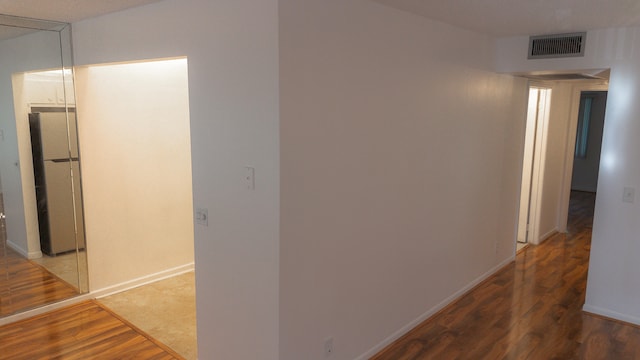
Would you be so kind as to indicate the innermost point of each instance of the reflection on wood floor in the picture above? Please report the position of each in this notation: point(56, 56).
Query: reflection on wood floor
point(25, 285)
point(69, 267)
point(531, 309)
point(79, 332)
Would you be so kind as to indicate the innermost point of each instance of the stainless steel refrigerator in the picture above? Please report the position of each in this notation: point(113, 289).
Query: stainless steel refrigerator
point(57, 180)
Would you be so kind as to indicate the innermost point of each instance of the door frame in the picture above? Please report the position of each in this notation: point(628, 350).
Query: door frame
point(563, 214)
point(538, 160)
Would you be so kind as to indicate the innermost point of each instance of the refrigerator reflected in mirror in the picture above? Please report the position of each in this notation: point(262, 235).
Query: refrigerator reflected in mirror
point(56, 174)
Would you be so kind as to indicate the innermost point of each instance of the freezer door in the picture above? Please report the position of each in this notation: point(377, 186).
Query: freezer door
point(60, 206)
point(53, 132)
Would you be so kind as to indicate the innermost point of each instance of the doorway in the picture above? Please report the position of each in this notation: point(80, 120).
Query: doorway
point(588, 141)
point(549, 149)
point(591, 140)
point(533, 164)
point(134, 131)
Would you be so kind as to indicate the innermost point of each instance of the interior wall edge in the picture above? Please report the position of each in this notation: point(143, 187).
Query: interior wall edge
point(233, 125)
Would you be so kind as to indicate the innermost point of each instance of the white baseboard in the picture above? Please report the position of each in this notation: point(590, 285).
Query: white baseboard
point(27, 254)
point(611, 314)
point(144, 280)
point(403, 330)
point(17, 248)
point(546, 236)
point(34, 255)
point(44, 309)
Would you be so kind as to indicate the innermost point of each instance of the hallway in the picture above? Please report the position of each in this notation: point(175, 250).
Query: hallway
point(531, 309)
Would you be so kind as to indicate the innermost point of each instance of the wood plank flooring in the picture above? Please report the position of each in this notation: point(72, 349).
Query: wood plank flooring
point(79, 332)
point(25, 285)
point(531, 309)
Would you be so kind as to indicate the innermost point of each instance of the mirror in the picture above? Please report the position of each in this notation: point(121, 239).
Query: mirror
point(42, 250)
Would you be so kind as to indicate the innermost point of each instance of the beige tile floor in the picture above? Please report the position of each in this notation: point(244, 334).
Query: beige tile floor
point(165, 309)
point(68, 267)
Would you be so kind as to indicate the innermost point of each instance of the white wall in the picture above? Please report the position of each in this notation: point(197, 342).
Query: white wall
point(133, 122)
point(613, 286)
point(28, 246)
point(232, 49)
point(401, 162)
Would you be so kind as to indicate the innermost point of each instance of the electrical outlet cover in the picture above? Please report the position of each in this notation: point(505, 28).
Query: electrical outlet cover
point(202, 217)
point(629, 195)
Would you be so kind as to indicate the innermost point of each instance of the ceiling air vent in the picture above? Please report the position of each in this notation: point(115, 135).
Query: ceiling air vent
point(555, 46)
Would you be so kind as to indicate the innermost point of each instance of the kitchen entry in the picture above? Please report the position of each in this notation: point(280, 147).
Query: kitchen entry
point(135, 146)
point(128, 133)
point(135, 149)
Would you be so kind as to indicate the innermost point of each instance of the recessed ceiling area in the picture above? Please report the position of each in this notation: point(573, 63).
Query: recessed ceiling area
point(594, 74)
point(502, 18)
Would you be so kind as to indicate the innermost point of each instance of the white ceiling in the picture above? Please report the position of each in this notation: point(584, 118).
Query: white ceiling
point(55, 10)
point(493, 17)
point(66, 10)
point(525, 17)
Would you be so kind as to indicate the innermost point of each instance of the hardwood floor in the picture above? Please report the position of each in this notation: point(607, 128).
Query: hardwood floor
point(83, 331)
point(531, 309)
point(25, 285)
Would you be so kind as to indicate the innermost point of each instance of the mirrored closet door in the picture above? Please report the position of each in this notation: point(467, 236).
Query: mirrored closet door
point(42, 250)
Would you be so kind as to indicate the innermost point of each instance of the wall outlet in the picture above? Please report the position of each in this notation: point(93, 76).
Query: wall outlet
point(249, 178)
point(629, 195)
point(328, 347)
point(202, 217)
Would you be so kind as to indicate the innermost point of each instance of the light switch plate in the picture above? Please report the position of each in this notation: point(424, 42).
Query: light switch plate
point(202, 217)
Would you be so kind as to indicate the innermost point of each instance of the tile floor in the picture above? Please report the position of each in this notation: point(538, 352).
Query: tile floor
point(165, 309)
point(66, 268)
